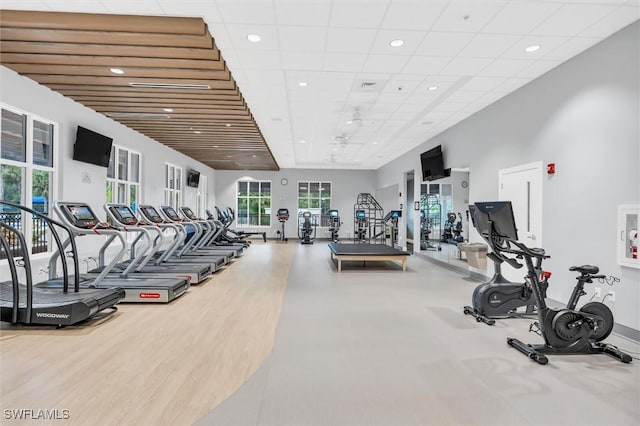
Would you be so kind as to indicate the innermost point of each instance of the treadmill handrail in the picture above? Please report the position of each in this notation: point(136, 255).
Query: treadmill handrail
point(14, 274)
point(165, 224)
point(59, 244)
point(27, 272)
point(99, 229)
point(126, 228)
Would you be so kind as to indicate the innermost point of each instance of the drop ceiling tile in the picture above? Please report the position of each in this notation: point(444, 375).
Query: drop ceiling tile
point(255, 59)
point(448, 106)
point(80, 6)
point(350, 62)
point(511, 84)
point(520, 17)
point(546, 43)
point(410, 108)
point(238, 35)
point(620, 18)
point(412, 14)
point(412, 40)
point(505, 68)
point(357, 14)
point(571, 48)
point(465, 96)
point(392, 98)
point(483, 83)
point(305, 39)
point(489, 45)
point(465, 66)
point(384, 63)
point(443, 43)
point(400, 85)
point(221, 38)
point(479, 13)
point(309, 13)
point(133, 7)
point(247, 12)
point(571, 19)
point(350, 40)
point(25, 5)
point(425, 65)
point(538, 68)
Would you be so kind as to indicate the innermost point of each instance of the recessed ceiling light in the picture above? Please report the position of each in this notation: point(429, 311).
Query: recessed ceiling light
point(254, 156)
point(197, 132)
point(375, 143)
point(216, 146)
point(432, 88)
point(228, 125)
point(116, 70)
point(349, 122)
point(254, 38)
point(167, 109)
point(302, 141)
point(396, 43)
point(302, 84)
point(532, 48)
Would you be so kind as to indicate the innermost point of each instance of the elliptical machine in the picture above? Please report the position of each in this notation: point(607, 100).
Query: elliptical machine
point(334, 224)
point(500, 298)
point(566, 330)
point(306, 228)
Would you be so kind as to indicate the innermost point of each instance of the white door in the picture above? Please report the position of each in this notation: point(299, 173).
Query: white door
point(522, 185)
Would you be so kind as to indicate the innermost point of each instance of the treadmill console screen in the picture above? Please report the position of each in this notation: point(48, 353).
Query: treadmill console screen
point(189, 213)
point(361, 214)
point(171, 213)
point(81, 216)
point(123, 215)
point(151, 214)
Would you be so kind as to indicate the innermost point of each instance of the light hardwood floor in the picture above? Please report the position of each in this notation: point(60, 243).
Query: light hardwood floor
point(153, 364)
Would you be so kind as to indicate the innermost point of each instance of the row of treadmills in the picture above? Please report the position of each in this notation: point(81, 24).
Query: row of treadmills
point(168, 251)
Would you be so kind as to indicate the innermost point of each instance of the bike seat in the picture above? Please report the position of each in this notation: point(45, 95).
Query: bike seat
point(586, 269)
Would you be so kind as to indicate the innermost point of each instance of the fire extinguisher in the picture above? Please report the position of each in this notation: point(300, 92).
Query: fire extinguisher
point(633, 236)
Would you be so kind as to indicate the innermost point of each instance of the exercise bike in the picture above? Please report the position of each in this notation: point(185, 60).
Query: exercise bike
point(500, 298)
point(334, 225)
point(283, 216)
point(565, 330)
point(306, 228)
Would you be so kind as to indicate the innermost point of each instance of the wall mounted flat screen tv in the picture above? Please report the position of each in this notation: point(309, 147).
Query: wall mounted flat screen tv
point(193, 178)
point(92, 147)
point(432, 163)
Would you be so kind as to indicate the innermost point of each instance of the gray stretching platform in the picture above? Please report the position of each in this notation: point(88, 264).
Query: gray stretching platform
point(364, 252)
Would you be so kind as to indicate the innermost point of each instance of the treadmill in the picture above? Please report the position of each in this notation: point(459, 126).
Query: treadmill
point(206, 234)
point(183, 247)
point(141, 288)
point(123, 219)
point(62, 306)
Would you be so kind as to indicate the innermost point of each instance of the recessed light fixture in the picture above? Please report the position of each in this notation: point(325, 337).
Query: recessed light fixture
point(302, 84)
point(216, 146)
point(532, 48)
point(349, 122)
point(302, 141)
point(228, 125)
point(118, 71)
point(254, 156)
point(167, 109)
point(375, 143)
point(432, 88)
point(197, 132)
point(254, 38)
point(396, 43)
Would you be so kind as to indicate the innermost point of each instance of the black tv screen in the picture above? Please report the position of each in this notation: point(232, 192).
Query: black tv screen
point(432, 163)
point(92, 147)
point(193, 178)
point(500, 213)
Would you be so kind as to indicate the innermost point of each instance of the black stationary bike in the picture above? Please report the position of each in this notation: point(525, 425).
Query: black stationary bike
point(500, 298)
point(565, 330)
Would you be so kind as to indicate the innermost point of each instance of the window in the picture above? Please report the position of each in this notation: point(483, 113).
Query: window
point(172, 185)
point(254, 203)
point(315, 197)
point(123, 177)
point(27, 173)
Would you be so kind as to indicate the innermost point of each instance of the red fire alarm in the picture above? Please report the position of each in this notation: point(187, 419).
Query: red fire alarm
point(551, 168)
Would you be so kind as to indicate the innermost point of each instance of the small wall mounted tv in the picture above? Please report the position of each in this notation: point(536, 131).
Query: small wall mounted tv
point(193, 178)
point(92, 147)
point(432, 163)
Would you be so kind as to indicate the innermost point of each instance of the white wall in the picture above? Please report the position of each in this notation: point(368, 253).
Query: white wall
point(27, 95)
point(345, 187)
point(583, 116)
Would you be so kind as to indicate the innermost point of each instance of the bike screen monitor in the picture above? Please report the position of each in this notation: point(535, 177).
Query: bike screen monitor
point(500, 213)
point(333, 213)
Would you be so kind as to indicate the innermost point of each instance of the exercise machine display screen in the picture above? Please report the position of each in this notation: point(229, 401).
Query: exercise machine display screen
point(361, 214)
point(283, 214)
point(306, 215)
point(151, 214)
point(333, 213)
point(124, 215)
point(171, 213)
point(81, 216)
point(500, 213)
point(395, 214)
point(188, 213)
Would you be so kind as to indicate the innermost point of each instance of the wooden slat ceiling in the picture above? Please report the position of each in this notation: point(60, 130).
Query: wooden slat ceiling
point(72, 53)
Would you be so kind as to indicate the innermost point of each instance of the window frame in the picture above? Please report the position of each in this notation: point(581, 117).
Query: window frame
point(173, 196)
point(27, 169)
point(260, 197)
point(128, 183)
point(321, 218)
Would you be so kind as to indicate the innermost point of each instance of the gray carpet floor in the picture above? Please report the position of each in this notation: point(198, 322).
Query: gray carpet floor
point(376, 346)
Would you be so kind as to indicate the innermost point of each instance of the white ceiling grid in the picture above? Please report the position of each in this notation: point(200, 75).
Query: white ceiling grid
point(472, 50)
